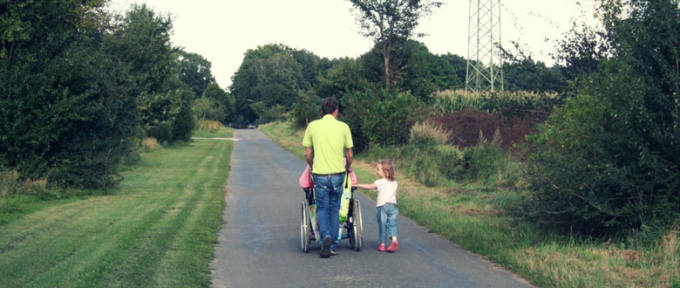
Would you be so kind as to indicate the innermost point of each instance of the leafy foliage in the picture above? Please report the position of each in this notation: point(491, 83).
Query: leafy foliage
point(268, 74)
point(346, 76)
point(79, 88)
point(306, 109)
point(391, 21)
point(65, 115)
point(608, 161)
point(385, 122)
point(221, 104)
point(415, 69)
point(194, 70)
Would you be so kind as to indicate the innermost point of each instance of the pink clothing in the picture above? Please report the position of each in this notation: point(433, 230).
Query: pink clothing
point(306, 178)
point(387, 192)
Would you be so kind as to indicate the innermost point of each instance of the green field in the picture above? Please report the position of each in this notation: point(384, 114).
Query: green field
point(157, 229)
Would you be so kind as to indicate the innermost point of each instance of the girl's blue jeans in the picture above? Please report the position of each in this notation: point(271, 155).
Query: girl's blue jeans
point(387, 221)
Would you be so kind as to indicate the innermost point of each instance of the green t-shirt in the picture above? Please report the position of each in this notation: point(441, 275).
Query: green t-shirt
point(329, 138)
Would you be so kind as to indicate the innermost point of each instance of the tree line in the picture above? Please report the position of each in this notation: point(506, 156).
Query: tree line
point(81, 87)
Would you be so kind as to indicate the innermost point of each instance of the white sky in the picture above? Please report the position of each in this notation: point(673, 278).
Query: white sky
point(222, 30)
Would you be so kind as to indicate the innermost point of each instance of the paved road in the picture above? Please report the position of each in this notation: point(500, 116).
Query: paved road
point(259, 244)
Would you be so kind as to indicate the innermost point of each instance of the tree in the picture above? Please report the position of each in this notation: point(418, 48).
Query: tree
point(142, 42)
point(607, 161)
point(67, 111)
point(344, 77)
point(268, 74)
point(459, 64)
point(194, 70)
point(306, 109)
point(389, 21)
point(223, 103)
point(312, 65)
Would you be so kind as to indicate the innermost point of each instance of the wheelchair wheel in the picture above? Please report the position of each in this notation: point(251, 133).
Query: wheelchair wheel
point(305, 228)
point(357, 227)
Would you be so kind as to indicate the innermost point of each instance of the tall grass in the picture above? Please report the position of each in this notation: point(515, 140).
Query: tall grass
point(11, 185)
point(425, 132)
point(450, 101)
point(209, 126)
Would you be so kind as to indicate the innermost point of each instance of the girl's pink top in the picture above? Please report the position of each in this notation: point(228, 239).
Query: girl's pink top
point(306, 178)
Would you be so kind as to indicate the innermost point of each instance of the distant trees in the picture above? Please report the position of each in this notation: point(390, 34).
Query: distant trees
point(270, 74)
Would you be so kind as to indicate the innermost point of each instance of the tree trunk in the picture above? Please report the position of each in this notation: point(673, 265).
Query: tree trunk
point(386, 58)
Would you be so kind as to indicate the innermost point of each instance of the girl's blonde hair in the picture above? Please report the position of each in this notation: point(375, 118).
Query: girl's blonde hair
point(387, 168)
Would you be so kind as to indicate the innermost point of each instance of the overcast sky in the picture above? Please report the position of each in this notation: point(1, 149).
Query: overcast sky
point(222, 30)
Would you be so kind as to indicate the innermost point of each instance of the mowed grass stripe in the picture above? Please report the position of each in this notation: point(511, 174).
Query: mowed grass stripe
point(157, 242)
point(158, 231)
point(195, 235)
point(60, 243)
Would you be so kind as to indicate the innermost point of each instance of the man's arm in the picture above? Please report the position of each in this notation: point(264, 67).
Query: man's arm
point(349, 155)
point(309, 155)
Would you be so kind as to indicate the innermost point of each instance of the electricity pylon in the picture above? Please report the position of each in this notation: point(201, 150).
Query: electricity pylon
point(484, 65)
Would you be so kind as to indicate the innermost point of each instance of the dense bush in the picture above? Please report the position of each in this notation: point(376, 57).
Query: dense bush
point(608, 160)
point(306, 109)
point(382, 118)
point(429, 162)
point(484, 162)
point(79, 88)
point(268, 114)
point(66, 111)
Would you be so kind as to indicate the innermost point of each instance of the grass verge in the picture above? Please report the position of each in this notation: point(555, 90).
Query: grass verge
point(157, 229)
point(474, 216)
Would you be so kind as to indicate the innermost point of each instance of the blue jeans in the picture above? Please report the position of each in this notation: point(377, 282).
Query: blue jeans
point(387, 220)
point(328, 193)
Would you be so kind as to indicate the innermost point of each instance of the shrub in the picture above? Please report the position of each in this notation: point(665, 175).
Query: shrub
point(424, 168)
point(268, 114)
point(11, 184)
point(209, 126)
point(483, 162)
point(150, 143)
point(306, 109)
point(380, 118)
point(426, 133)
point(608, 163)
point(573, 182)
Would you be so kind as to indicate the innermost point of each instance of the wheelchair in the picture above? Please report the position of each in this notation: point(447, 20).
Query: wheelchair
point(352, 225)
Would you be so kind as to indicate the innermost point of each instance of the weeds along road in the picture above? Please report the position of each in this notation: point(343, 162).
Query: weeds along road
point(259, 242)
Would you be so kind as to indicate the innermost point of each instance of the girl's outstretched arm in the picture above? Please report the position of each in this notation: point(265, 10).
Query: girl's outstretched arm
point(366, 186)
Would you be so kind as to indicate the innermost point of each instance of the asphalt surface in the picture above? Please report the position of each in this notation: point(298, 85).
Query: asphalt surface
point(259, 242)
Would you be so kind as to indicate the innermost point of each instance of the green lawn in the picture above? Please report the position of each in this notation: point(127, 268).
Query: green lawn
point(157, 229)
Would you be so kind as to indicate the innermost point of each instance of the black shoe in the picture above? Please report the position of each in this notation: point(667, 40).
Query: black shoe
point(326, 247)
point(334, 253)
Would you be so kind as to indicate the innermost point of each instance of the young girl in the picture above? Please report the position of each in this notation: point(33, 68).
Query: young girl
point(386, 203)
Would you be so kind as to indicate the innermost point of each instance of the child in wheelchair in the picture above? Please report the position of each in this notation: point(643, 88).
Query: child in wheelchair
point(307, 186)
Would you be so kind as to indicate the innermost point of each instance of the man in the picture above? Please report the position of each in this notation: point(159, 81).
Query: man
point(328, 142)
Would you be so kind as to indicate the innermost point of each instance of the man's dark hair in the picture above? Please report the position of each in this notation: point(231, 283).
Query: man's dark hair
point(328, 106)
